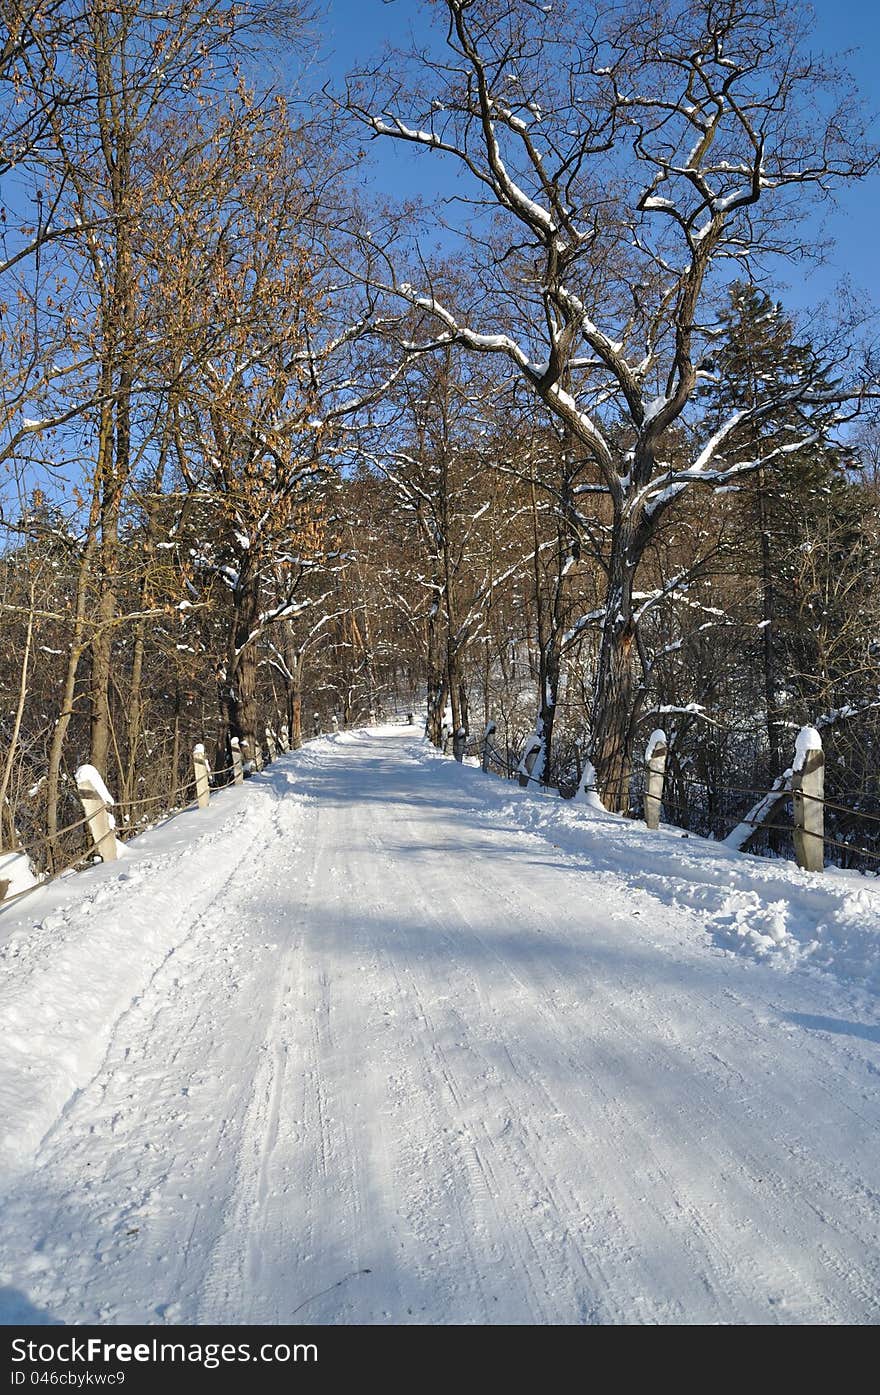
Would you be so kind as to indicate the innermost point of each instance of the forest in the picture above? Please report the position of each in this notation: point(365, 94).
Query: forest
point(470, 384)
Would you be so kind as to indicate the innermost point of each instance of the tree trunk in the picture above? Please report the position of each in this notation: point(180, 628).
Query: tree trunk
point(240, 683)
point(175, 745)
point(550, 621)
point(296, 723)
point(135, 698)
point(774, 727)
point(295, 702)
point(614, 702)
point(436, 676)
point(454, 685)
point(102, 641)
point(117, 348)
point(78, 646)
point(9, 765)
point(549, 680)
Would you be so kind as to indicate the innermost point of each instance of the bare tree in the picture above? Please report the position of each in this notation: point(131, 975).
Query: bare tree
point(619, 161)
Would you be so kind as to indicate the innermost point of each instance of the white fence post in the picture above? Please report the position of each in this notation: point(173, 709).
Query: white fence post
point(808, 798)
point(534, 748)
point(487, 734)
point(203, 776)
point(251, 763)
point(334, 722)
point(655, 759)
point(237, 764)
point(97, 803)
point(285, 738)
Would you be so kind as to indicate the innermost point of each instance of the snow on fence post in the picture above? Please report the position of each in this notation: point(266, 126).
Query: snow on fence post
point(237, 763)
point(334, 722)
point(588, 787)
point(459, 742)
point(270, 743)
point(808, 798)
point(285, 738)
point(534, 759)
point(487, 746)
point(316, 723)
point(251, 763)
point(655, 759)
point(97, 802)
point(203, 776)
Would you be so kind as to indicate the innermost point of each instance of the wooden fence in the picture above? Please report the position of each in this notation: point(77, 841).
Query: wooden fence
point(98, 804)
point(802, 787)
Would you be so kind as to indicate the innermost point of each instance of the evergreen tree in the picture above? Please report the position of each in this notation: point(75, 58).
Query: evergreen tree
point(801, 472)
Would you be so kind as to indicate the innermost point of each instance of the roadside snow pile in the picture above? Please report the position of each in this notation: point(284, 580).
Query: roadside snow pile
point(767, 909)
point(15, 872)
point(761, 926)
point(74, 956)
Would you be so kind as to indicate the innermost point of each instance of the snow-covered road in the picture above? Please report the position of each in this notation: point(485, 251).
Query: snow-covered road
point(379, 1039)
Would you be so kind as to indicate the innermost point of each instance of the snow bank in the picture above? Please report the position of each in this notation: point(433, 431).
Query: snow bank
point(766, 909)
point(16, 870)
point(74, 957)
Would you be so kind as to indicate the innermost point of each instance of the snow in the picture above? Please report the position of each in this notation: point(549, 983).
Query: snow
point(15, 869)
point(587, 790)
point(376, 1038)
point(657, 738)
point(534, 750)
point(87, 775)
point(759, 813)
point(808, 739)
point(654, 408)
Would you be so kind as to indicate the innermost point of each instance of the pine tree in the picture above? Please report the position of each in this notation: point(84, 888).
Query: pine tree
point(777, 506)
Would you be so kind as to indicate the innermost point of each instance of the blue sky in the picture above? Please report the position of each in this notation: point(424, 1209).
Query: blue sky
point(355, 30)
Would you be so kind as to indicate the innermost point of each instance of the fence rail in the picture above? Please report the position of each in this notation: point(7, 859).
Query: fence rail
point(98, 805)
point(802, 789)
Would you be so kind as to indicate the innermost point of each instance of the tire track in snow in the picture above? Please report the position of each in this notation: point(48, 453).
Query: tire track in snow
point(477, 1145)
point(710, 1255)
point(165, 1074)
